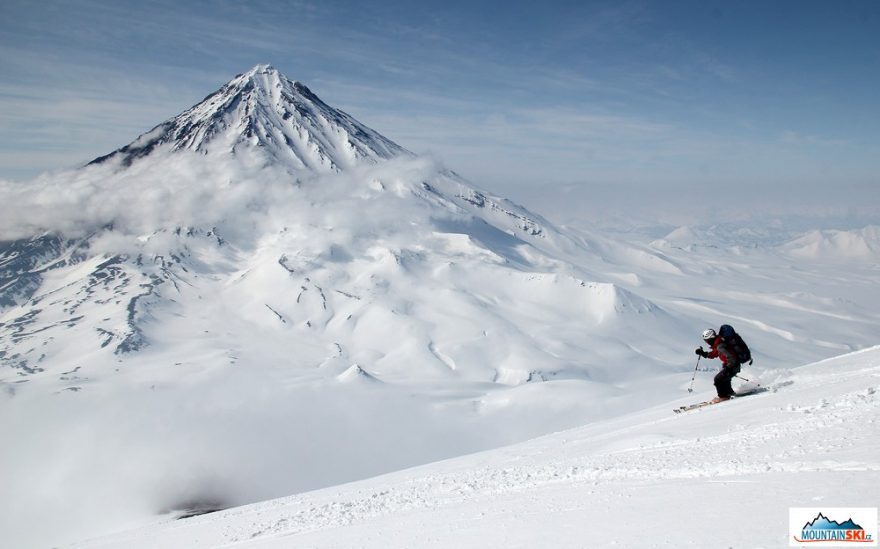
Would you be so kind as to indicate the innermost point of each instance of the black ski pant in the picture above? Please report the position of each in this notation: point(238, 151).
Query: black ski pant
point(723, 379)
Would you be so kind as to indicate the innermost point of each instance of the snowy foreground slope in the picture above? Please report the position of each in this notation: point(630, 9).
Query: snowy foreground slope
point(723, 476)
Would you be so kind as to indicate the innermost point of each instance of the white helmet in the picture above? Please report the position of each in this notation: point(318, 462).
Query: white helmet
point(709, 335)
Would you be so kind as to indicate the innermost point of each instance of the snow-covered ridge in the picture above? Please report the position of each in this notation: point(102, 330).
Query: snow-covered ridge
point(263, 108)
point(862, 243)
point(855, 244)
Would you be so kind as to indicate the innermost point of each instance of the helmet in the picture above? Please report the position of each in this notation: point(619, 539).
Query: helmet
point(709, 335)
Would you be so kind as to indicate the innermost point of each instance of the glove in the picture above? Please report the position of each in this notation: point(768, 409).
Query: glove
point(701, 352)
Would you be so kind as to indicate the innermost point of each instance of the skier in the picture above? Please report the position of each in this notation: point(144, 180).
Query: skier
point(730, 364)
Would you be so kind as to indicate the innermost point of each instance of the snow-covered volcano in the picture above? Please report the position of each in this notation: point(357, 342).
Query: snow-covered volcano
point(315, 236)
point(263, 108)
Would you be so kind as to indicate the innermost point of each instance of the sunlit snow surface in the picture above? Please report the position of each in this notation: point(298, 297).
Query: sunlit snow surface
point(262, 297)
point(722, 476)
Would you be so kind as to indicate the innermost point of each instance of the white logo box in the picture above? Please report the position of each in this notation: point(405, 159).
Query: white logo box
point(798, 517)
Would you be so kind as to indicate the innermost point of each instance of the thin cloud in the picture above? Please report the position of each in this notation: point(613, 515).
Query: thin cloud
point(796, 138)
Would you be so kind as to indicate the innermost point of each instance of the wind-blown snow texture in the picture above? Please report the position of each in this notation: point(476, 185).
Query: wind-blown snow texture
point(263, 296)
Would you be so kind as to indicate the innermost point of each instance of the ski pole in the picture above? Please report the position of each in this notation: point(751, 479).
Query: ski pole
point(744, 378)
point(691, 388)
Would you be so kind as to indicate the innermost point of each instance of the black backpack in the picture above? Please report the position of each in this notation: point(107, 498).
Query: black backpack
point(729, 335)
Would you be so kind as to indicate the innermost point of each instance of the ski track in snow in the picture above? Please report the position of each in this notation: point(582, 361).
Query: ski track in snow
point(805, 427)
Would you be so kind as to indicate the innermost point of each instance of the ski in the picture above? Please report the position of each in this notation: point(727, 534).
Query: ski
point(688, 407)
point(741, 393)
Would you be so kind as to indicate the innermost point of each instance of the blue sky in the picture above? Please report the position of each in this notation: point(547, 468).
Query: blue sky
point(526, 98)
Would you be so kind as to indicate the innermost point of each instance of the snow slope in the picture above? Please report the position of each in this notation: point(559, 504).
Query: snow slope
point(723, 476)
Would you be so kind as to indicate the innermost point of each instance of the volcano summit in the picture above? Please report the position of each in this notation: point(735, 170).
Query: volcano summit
point(263, 108)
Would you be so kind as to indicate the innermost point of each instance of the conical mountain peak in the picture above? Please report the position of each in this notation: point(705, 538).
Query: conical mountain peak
point(262, 77)
point(263, 111)
point(262, 68)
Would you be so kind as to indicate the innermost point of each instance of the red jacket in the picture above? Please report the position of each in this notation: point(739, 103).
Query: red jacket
point(722, 350)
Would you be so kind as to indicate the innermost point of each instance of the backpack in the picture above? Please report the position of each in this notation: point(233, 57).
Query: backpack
point(729, 335)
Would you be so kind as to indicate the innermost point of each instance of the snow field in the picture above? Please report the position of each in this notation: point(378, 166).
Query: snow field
point(720, 476)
